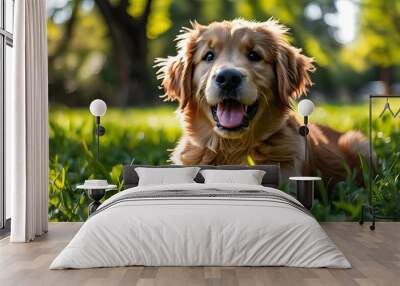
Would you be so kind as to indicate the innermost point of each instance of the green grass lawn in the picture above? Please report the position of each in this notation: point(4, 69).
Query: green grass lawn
point(145, 135)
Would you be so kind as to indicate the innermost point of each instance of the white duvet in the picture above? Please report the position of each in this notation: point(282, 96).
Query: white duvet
point(203, 231)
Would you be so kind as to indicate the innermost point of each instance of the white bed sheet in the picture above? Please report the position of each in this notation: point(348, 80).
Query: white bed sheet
point(200, 232)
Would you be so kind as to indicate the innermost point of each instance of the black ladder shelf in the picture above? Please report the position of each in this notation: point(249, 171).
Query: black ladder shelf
point(369, 205)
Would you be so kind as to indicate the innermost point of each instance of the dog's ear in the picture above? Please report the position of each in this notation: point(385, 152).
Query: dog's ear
point(176, 79)
point(291, 67)
point(292, 71)
point(176, 72)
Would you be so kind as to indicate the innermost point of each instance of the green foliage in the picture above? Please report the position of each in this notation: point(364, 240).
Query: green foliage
point(134, 135)
point(386, 189)
point(347, 199)
point(144, 136)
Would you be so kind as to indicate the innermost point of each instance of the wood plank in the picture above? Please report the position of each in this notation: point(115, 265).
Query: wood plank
point(375, 257)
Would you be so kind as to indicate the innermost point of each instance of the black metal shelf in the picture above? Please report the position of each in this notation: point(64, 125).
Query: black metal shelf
point(369, 205)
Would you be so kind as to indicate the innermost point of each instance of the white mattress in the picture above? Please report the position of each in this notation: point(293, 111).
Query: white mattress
point(203, 231)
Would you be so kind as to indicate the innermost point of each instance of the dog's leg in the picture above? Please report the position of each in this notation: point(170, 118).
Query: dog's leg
point(186, 153)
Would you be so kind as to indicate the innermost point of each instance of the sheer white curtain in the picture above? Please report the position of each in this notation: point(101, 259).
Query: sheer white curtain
point(26, 124)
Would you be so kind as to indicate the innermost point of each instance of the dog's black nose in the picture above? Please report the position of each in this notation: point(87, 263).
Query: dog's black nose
point(229, 79)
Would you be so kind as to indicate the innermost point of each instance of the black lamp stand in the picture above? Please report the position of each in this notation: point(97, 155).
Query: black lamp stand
point(305, 185)
point(100, 131)
point(303, 131)
point(97, 194)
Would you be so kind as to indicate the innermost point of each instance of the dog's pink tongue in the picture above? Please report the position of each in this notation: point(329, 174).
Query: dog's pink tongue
point(230, 115)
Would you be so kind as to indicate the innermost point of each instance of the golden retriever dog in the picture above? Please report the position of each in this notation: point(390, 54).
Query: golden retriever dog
point(235, 82)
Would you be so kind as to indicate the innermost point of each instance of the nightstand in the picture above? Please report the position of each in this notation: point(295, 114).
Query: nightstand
point(305, 190)
point(96, 190)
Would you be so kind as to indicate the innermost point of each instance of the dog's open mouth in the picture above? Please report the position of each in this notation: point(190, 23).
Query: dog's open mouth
point(232, 115)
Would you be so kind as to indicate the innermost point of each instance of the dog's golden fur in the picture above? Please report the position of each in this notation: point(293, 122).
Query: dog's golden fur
point(281, 75)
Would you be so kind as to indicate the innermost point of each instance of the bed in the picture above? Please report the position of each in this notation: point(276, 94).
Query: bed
point(198, 224)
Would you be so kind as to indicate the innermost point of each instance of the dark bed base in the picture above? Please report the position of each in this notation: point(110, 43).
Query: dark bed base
point(271, 177)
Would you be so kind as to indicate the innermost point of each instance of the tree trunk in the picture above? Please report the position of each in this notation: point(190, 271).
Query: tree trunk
point(130, 51)
point(387, 77)
point(129, 42)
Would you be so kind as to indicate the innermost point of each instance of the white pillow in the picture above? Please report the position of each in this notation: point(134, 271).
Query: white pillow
point(166, 176)
point(248, 177)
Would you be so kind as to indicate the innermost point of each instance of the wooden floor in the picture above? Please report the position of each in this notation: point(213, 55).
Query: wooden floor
point(375, 257)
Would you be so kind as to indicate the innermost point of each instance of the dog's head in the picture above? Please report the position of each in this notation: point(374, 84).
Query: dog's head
point(237, 73)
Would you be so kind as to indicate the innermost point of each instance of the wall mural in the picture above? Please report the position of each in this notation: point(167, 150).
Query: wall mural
point(224, 92)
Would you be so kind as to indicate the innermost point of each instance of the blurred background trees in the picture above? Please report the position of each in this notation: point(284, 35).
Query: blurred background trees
point(377, 44)
point(106, 48)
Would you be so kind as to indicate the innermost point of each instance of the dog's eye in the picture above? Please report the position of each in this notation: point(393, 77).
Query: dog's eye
point(254, 56)
point(209, 57)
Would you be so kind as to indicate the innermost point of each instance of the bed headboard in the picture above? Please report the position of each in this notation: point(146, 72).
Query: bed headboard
point(271, 177)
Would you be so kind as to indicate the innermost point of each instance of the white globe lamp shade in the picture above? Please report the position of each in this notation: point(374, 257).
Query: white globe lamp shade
point(305, 107)
point(98, 107)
